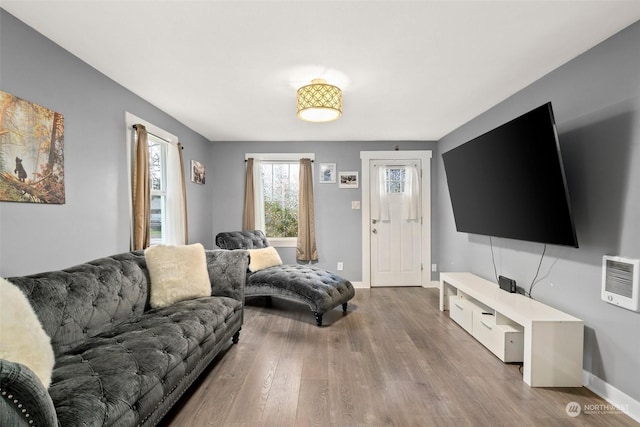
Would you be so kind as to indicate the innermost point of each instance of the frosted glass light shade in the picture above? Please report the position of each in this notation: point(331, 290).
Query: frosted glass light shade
point(319, 102)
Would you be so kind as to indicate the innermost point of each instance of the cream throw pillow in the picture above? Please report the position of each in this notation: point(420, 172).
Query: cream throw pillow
point(263, 258)
point(177, 273)
point(22, 338)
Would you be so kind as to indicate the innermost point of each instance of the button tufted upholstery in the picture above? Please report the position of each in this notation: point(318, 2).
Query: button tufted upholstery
point(252, 239)
point(118, 362)
point(322, 290)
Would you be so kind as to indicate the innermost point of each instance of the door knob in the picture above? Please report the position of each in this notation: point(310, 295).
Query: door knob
point(373, 221)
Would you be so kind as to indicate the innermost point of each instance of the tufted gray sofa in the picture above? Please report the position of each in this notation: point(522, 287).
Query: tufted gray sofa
point(119, 362)
point(322, 290)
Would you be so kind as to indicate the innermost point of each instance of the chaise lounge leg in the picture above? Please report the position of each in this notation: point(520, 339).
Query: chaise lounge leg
point(236, 337)
point(318, 318)
point(344, 306)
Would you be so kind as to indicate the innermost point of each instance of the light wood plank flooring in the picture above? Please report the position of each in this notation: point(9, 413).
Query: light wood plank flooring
point(393, 360)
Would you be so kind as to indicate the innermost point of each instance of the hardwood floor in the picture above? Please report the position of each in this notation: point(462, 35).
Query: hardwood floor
point(393, 360)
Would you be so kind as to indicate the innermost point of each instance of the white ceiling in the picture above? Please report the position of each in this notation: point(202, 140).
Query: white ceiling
point(409, 70)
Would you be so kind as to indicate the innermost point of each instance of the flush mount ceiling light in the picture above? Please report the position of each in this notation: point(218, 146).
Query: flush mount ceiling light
point(319, 102)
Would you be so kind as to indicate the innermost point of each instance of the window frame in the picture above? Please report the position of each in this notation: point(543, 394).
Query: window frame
point(281, 242)
point(162, 192)
point(158, 134)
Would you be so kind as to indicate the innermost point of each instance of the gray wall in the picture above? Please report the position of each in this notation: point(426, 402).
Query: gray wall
point(338, 227)
point(94, 222)
point(596, 99)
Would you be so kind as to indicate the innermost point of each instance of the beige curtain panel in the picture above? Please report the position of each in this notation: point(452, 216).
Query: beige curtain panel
point(141, 190)
point(249, 213)
point(306, 249)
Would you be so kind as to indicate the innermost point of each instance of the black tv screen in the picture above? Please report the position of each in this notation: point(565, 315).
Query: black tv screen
point(510, 182)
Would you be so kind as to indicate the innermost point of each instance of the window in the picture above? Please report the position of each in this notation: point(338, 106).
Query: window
point(158, 178)
point(395, 179)
point(276, 180)
point(167, 205)
point(280, 192)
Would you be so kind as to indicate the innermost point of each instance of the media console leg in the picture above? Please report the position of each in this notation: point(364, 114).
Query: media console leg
point(553, 354)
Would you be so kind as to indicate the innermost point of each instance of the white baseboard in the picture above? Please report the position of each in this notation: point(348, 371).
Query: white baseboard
point(359, 285)
point(431, 284)
point(619, 400)
point(362, 285)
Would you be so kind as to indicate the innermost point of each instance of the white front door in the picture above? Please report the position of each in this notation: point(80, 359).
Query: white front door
point(395, 188)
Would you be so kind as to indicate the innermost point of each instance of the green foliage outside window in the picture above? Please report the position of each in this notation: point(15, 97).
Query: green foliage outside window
point(280, 221)
point(280, 189)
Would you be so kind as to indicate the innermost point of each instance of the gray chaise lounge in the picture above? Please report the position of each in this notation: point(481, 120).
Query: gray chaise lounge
point(320, 289)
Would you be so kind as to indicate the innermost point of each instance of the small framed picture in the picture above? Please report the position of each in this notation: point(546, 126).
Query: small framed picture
point(327, 173)
point(197, 172)
point(348, 179)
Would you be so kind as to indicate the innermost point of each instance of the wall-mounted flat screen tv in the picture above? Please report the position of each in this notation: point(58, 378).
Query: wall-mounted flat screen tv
point(510, 182)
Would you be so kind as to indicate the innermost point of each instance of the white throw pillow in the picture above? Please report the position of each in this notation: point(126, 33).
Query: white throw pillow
point(177, 273)
point(263, 258)
point(22, 338)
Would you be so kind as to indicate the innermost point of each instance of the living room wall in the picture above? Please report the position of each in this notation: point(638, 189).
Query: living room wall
point(596, 99)
point(338, 227)
point(94, 221)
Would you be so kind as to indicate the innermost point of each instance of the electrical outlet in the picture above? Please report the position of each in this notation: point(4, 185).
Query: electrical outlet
point(340, 266)
point(434, 267)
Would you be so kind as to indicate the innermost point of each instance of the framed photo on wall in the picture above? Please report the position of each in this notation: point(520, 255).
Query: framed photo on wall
point(327, 173)
point(197, 172)
point(348, 179)
point(31, 152)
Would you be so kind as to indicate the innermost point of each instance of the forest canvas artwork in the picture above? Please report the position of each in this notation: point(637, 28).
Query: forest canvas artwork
point(31, 152)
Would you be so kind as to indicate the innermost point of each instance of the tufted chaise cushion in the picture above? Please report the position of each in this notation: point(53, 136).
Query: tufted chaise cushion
point(252, 239)
point(321, 289)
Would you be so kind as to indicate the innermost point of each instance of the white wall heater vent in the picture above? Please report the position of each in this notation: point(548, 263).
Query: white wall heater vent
point(621, 282)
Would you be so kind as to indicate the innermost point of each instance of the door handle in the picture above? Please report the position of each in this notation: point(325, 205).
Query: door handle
point(373, 221)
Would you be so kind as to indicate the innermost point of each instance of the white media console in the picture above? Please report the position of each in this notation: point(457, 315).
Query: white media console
point(517, 329)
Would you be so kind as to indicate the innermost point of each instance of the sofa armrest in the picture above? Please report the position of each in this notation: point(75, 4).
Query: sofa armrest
point(23, 399)
point(227, 272)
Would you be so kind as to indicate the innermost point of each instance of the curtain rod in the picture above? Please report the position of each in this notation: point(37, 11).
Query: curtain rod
point(159, 137)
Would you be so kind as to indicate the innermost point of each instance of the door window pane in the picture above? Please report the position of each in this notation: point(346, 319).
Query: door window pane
point(395, 180)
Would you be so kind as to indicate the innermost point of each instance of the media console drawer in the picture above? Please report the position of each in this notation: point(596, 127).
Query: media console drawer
point(461, 311)
point(505, 341)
